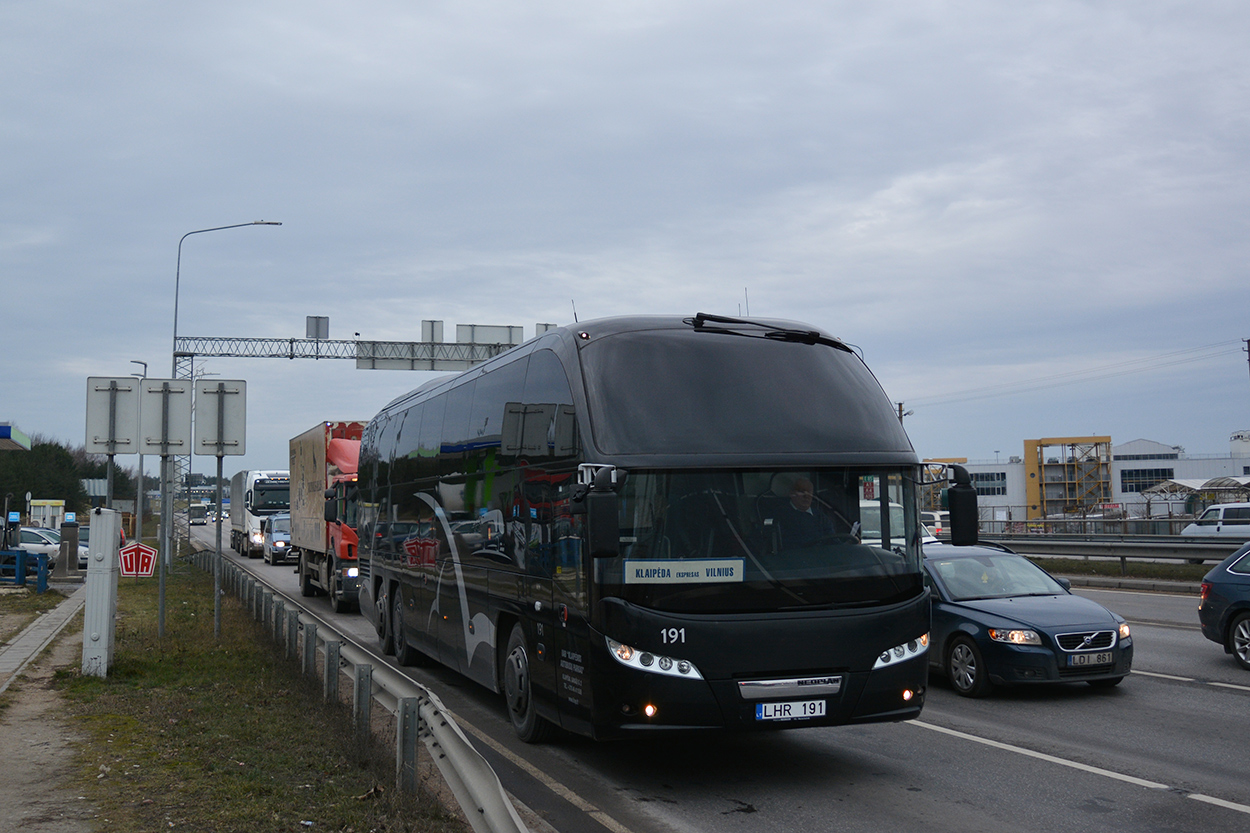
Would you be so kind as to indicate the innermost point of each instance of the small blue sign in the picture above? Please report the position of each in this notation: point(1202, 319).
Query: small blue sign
point(15, 517)
point(71, 517)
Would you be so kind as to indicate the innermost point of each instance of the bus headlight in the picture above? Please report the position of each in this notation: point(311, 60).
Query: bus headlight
point(901, 653)
point(652, 663)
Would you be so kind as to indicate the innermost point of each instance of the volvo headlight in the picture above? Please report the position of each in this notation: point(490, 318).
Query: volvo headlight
point(1124, 631)
point(901, 653)
point(1016, 636)
point(654, 663)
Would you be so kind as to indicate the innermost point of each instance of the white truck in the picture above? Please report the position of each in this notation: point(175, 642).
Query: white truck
point(255, 495)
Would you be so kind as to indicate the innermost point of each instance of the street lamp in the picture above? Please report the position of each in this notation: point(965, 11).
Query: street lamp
point(167, 509)
point(142, 486)
point(178, 274)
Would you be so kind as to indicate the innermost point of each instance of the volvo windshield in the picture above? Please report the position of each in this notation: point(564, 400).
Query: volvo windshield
point(752, 540)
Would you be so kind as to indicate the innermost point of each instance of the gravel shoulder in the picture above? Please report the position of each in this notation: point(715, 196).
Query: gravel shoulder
point(38, 747)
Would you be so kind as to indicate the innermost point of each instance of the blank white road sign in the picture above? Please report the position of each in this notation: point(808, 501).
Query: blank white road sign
point(155, 395)
point(112, 415)
point(220, 403)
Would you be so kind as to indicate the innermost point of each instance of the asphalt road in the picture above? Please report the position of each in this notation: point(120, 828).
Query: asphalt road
point(1166, 750)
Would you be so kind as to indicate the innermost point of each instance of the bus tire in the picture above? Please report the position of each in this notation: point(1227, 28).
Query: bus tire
point(519, 692)
point(385, 632)
point(405, 654)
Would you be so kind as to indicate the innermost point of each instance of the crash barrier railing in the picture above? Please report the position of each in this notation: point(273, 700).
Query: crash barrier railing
point(419, 714)
point(13, 567)
point(1124, 548)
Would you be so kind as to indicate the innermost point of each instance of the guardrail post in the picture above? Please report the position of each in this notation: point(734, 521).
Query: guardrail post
point(279, 616)
point(333, 654)
point(264, 618)
point(309, 665)
point(292, 632)
point(407, 726)
point(362, 709)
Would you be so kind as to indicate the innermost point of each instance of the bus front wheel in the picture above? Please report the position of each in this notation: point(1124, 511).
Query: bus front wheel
point(519, 692)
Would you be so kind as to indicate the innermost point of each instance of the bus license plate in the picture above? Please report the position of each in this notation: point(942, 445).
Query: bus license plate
point(794, 710)
point(1101, 658)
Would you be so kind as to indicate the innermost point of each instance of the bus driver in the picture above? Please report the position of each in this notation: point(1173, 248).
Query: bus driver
point(800, 524)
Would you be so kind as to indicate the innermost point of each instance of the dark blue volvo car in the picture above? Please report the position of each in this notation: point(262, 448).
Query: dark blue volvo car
point(999, 619)
point(1225, 607)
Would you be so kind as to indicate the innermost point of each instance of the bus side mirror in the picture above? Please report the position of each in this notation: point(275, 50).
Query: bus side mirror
point(962, 499)
point(602, 518)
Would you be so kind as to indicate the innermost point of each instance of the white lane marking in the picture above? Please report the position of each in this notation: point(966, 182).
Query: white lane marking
point(1233, 686)
point(1020, 750)
point(1219, 802)
point(1165, 676)
point(1106, 773)
point(551, 784)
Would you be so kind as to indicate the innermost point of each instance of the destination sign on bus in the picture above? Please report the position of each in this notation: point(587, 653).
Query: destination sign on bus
point(687, 571)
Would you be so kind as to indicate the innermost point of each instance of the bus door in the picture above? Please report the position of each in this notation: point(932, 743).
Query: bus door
point(532, 522)
point(569, 598)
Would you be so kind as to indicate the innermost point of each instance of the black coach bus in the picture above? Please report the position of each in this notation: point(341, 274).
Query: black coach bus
point(642, 524)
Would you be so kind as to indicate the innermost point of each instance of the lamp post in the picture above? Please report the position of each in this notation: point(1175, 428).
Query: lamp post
point(178, 275)
point(142, 486)
point(167, 508)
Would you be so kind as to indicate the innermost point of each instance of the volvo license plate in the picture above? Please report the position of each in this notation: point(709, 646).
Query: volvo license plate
point(793, 710)
point(1100, 658)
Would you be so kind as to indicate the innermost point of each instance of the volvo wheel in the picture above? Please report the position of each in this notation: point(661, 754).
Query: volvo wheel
point(966, 669)
point(1239, 640)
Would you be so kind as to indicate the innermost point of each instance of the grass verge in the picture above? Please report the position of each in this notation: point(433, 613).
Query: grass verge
point(19, 606)
point(194, 733)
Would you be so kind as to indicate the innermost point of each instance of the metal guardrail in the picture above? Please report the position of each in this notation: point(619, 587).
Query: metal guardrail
point(419, 713)
point(1155, 547)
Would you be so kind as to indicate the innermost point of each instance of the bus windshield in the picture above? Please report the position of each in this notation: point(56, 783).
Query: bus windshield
point(751, 540)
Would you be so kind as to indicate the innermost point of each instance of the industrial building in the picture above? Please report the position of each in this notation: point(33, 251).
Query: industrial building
point(1068, 477)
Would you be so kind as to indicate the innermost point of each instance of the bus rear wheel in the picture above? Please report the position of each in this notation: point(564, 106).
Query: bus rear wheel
point(519, 692)
point(385, 631)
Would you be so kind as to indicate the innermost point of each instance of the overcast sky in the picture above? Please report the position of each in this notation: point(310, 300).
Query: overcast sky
point(1031, 218)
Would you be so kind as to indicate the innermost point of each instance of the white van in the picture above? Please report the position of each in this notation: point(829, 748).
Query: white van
point(1223, 520)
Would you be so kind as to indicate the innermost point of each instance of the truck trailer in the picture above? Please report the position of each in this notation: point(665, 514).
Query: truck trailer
point(255, 495)
point(323, 511)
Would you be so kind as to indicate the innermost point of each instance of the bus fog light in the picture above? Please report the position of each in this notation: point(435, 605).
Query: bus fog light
point(649, 710)
point(646, 658)
point(907, 695)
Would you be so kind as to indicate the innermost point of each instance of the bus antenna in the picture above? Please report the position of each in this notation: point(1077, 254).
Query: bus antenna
point(574, 303)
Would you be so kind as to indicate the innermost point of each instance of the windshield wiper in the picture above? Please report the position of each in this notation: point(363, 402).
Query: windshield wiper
point(790, 334)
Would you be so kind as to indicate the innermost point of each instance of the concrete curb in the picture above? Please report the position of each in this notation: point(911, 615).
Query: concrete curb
point(1148, 585)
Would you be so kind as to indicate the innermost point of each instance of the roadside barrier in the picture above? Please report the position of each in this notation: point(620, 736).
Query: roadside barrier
point(420, 715)
point(13, 566)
